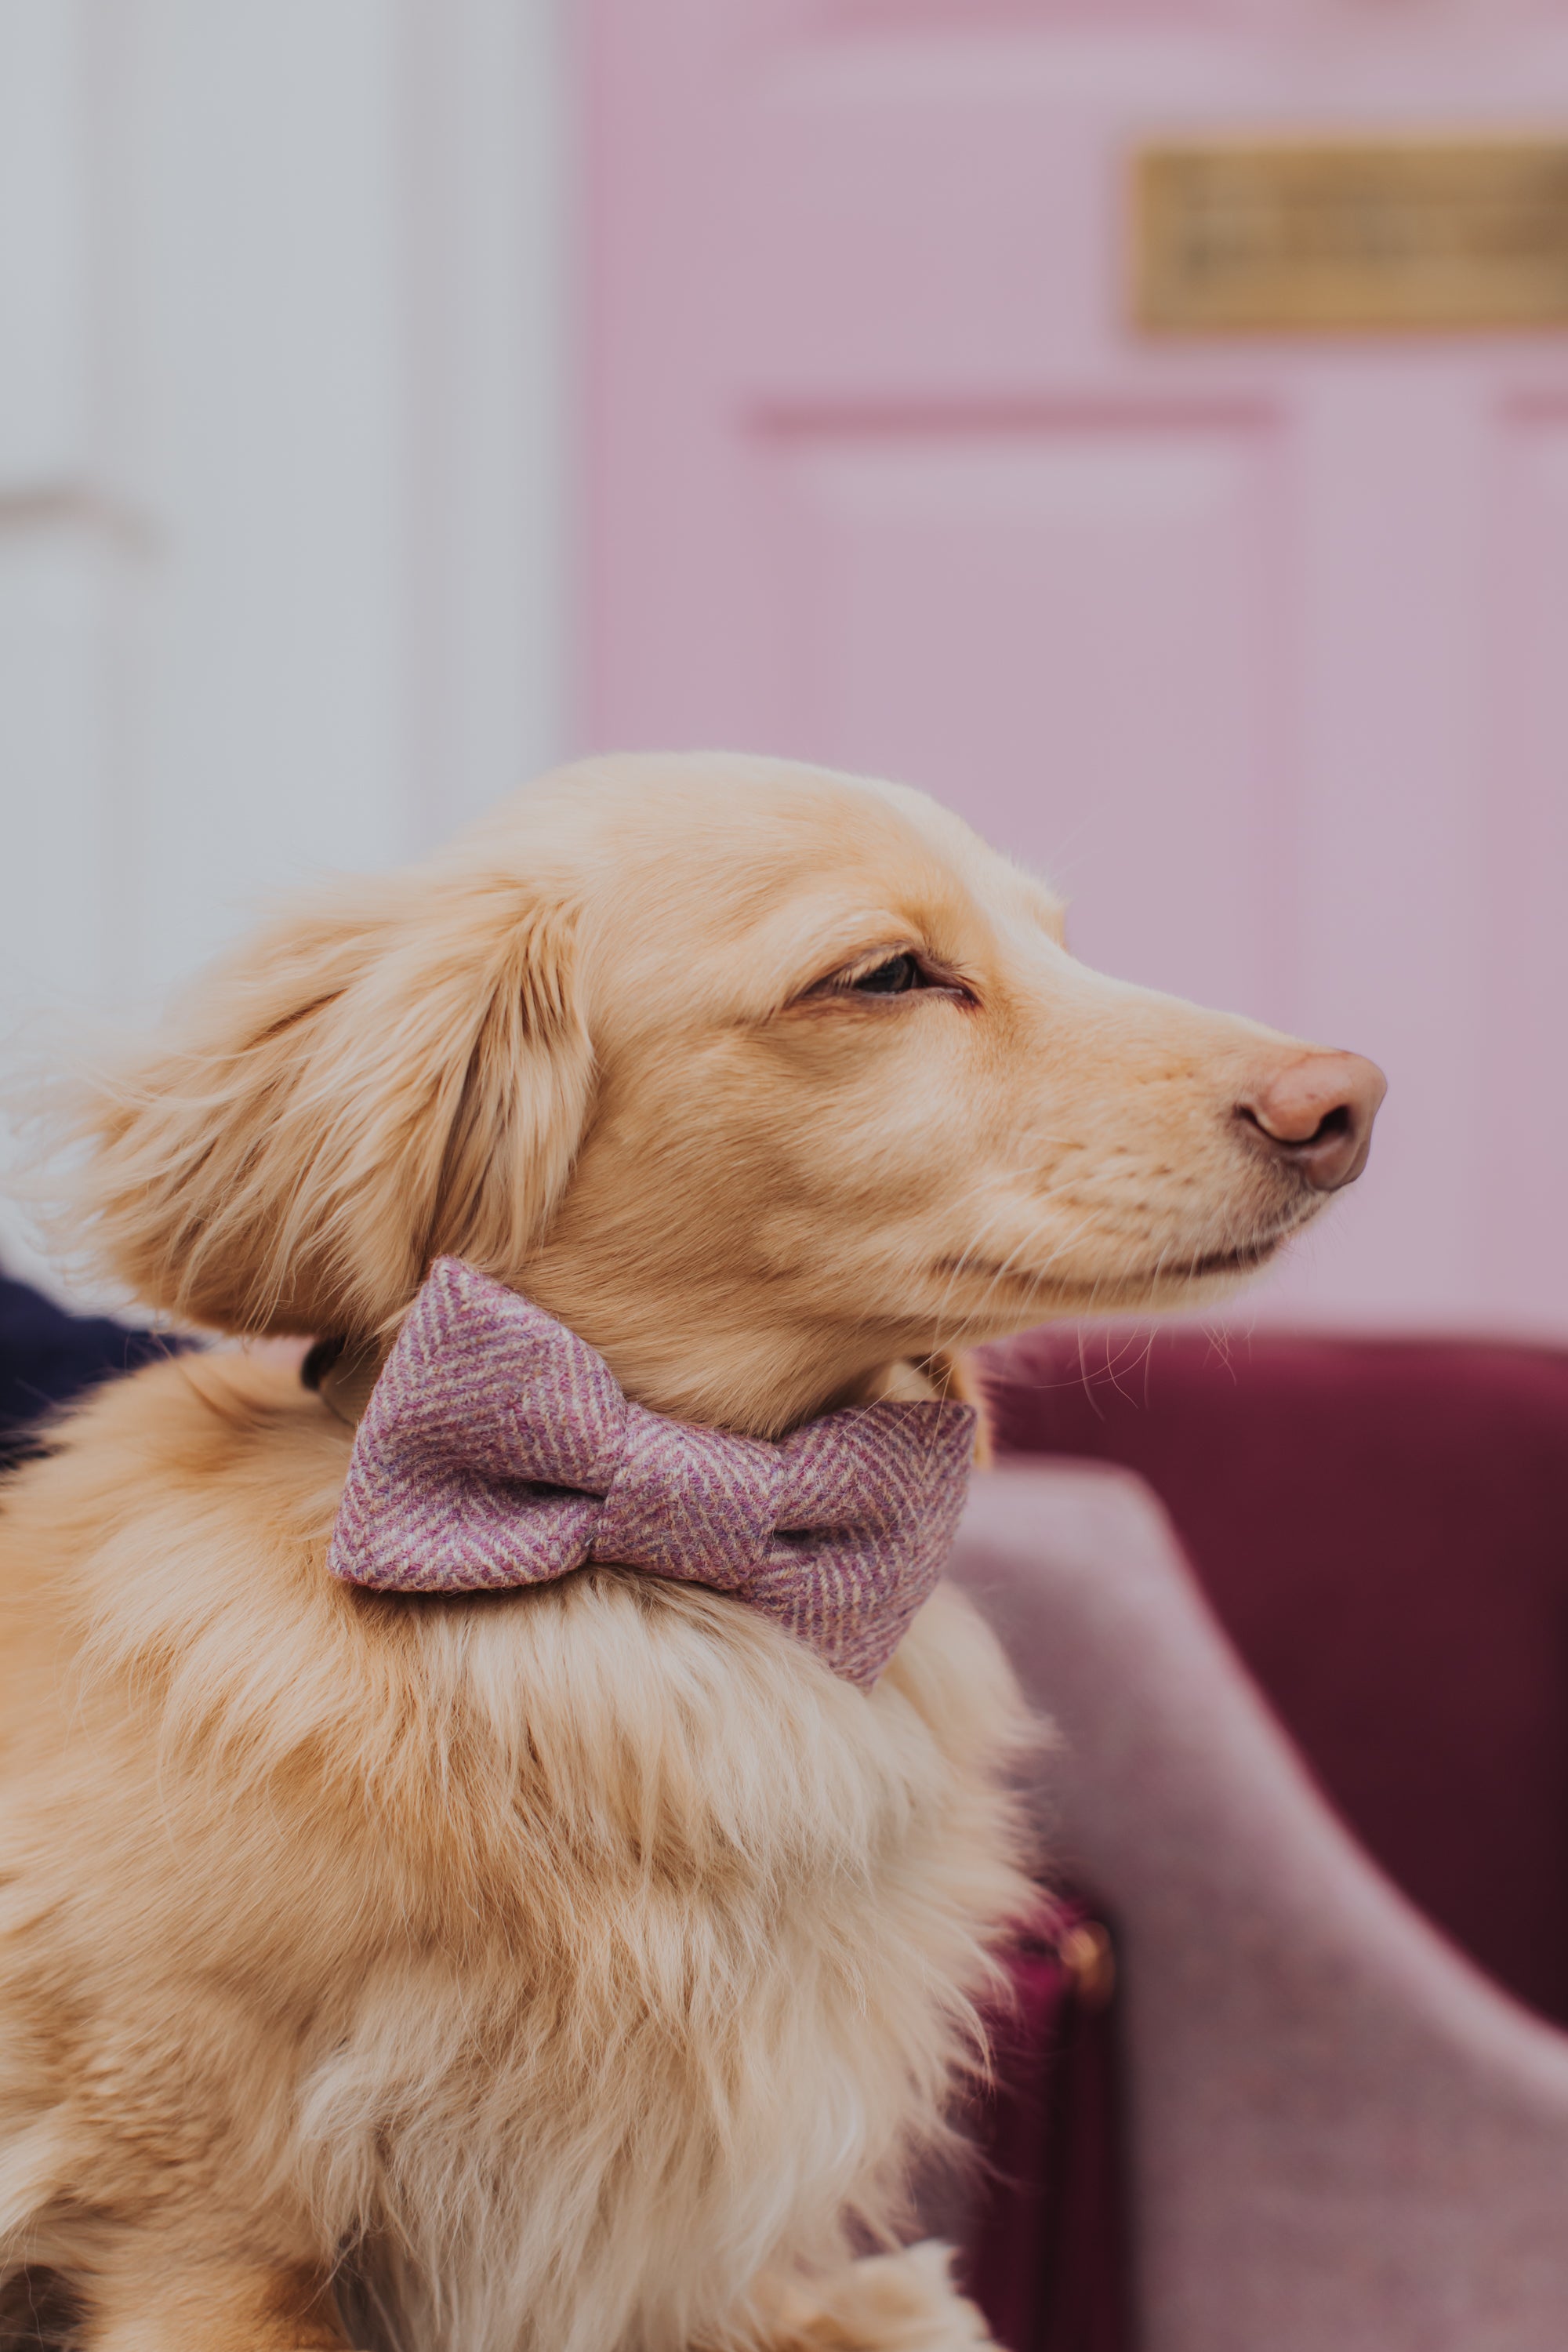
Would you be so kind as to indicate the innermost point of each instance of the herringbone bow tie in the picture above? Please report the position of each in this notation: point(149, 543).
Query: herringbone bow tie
point(497, 1449)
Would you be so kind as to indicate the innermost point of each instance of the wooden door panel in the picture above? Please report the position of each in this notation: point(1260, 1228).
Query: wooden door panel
point(889, 193)
point(1040, 565)
point(1520, 913)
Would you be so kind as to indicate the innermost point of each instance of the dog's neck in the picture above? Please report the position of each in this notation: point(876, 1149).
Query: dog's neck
point(696, 1359)
point(758, 1389)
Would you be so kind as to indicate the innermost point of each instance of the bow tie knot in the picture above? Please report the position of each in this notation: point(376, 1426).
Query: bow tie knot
point(680, 1494)
point(498, 1450)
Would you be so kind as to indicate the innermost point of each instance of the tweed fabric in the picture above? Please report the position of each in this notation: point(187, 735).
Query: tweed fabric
point(497, 1449)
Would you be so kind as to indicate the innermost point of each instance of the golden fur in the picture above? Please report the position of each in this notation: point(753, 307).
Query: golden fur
point(580, 1969)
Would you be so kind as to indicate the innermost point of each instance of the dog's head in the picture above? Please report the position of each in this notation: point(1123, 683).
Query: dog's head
point(760, 1076)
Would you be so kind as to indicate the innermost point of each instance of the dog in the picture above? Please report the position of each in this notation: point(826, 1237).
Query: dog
point(584, 1967)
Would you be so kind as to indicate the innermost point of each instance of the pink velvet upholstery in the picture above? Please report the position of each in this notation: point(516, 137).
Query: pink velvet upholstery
point(1340, 2134)
point(1381, 1528)
point(1338, 2131)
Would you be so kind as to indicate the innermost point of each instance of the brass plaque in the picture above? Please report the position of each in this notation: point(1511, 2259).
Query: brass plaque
point(1328, 235)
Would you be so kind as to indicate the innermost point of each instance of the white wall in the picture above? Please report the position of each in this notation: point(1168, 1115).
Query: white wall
point(281, 539)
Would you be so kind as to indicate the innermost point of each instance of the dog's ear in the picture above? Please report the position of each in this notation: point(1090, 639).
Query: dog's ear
point(375, 1081)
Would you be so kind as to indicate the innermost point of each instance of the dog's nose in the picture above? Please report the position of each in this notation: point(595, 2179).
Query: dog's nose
point(1317, 1113)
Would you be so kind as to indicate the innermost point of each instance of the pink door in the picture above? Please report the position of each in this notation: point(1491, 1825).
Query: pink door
point(1257, 644)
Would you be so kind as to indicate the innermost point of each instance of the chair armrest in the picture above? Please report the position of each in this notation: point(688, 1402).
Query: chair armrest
point(1341, 2133)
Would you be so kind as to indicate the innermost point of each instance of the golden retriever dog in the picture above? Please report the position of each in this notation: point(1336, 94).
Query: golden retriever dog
point(583, 1967)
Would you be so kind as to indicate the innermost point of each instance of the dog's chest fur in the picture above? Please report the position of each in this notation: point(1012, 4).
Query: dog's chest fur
point(568, 1957)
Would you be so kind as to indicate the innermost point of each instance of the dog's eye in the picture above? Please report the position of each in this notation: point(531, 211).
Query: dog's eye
point(892, 978)
point(896, 975)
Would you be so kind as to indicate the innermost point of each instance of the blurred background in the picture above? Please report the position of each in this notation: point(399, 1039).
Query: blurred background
point(1143, 422)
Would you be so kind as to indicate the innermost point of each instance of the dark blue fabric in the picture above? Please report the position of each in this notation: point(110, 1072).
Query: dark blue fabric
point(48, 1357)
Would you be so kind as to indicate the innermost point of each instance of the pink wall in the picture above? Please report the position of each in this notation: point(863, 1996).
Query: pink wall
point(1260, 648)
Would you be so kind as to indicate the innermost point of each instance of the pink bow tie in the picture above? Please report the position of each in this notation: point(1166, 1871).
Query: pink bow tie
point(497, 1449)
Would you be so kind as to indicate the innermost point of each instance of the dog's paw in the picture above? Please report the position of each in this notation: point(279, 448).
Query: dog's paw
point(889, 2303)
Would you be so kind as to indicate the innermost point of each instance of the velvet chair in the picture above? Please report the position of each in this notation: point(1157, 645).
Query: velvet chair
point(1343, 2106)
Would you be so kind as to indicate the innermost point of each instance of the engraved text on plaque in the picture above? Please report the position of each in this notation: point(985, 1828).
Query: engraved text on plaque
point(1414, 233)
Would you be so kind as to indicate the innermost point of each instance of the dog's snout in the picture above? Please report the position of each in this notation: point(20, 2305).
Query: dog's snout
point(1317, 1113)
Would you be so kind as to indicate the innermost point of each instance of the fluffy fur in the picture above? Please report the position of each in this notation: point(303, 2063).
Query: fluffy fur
point(581, 1970)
